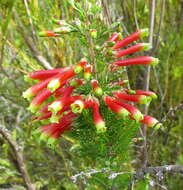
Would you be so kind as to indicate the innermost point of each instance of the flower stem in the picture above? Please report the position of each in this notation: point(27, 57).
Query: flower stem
point(91, 51)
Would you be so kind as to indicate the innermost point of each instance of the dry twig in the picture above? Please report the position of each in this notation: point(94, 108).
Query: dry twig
point(19, 157)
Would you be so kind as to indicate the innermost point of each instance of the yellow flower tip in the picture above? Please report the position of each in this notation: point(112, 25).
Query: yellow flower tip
point(28, 94)
point(101, 127)
point(138, 116)
point(144, 32)
point(155, 61)
point(124, 113)
point(145, 99)
point(157, 126)
point(77, 106)
point(55, 107)
point(53, 85)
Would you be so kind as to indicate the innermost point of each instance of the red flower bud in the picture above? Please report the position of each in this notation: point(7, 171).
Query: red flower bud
point(137, 61)
point(97, 90)
point(94, 84)
point(134, 112)
point(129, 39)
point(39, 99)
point(121, 111)
point(133, 49)
point(141, 99)
point(93, 33)
point(80, 66)
point(59, 22)
point(151, 122)
point(87, 72)
point(63, 30)
point(48, 33)
point(76, 82)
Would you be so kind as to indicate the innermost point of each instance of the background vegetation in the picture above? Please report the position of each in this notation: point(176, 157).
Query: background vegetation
point(22, 51)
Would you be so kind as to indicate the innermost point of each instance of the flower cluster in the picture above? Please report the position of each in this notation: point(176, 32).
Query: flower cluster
point(56, 97)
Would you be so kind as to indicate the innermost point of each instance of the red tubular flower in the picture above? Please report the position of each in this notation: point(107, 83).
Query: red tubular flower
point(55, 130)
point(147, 93)
point(141, 99)
point(88, 102)
point(112, 40)
point(96, 88)
point(44, 116)
point(115, 37)
point(121, 111)
point(88, 72)
point(56, 117)
point(133, 49)
point(33, 90)
point(134, 112)
point(64, 91)
point(137, 61)
point(62, 77)
point(39, 99)
point(151, 122)
point(44, 74)
point(54, 82)
point(48, 33)
point(119, 83)
point(43, 109)
point(129, 39)
point(50, 129)
point(97, 119)
point(68, 90)
point(142, 92)
point(59, 104)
